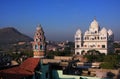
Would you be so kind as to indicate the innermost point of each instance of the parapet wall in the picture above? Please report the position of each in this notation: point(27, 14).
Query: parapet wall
point(64, 58)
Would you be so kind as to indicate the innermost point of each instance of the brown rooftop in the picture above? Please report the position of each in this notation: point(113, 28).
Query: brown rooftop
point(25, 69)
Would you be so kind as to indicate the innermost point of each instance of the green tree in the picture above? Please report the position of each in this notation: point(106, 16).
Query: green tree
point(107, 65)
point(94, 56)
point(110, 61)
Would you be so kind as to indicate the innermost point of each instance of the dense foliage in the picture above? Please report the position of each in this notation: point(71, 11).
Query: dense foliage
point(110, 61)
point(94, 56)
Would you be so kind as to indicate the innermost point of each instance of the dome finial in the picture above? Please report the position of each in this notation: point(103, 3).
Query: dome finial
point(94, 17)
point(39, 27)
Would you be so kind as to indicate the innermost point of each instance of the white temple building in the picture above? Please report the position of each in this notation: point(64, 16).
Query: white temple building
point(94, 39)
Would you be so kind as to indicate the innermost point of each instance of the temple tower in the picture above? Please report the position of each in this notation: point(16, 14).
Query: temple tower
point(39, 43)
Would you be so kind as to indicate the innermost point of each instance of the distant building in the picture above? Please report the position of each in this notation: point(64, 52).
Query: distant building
point(39, 43)
point(21, 43)
point(94, 39)
point(51, 47)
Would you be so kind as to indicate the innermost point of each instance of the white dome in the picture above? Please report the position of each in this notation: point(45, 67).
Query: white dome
point(78, 31)
point(110, 32)
point(94, 24)
point(103, 31)
point(39, 27)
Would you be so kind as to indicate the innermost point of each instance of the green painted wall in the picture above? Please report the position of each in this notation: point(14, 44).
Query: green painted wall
point(58, 74)
point(44, 70)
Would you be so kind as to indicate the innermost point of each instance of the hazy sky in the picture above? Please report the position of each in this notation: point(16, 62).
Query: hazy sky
point(59, 18)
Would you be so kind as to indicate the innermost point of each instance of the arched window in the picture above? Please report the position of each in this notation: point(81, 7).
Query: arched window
point(103, 46)
point(95, 31)
point(77, 38)
point(98, 38)
point(37, 34)
point(82, 52)
point(98, 45)
point(87, 38)
point(37, 40)
point(78, 53)
point(36, 46)
point(95, 37)
point(85, 45)
point(41, 47)
point(78, 46)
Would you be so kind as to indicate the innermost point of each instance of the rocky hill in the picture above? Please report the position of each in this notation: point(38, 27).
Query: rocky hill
point(11, 35)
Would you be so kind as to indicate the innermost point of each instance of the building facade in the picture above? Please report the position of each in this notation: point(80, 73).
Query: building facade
point(39, 43)
point(94, 39)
